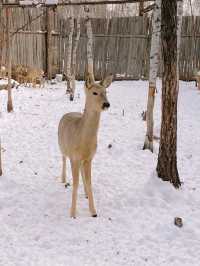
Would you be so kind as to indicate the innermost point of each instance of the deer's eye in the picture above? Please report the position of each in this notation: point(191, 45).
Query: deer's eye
point(95, 93)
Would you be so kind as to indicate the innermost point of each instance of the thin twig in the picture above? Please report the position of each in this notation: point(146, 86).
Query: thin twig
point(29, 22)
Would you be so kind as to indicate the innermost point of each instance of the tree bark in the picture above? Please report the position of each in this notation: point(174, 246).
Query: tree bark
point(8, 47)
point(167, 157)
point(154, 64)
point(90, 67)
point(74, 53)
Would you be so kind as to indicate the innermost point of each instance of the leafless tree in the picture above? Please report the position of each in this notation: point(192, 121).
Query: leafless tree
point(69, 57)
point(8, 48)
point(74, 53)
point(154, 64)
point(90, 67)
point(167, 157)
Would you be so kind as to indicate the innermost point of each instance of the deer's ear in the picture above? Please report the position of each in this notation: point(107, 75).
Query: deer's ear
point(88, 81)
point(107, 81)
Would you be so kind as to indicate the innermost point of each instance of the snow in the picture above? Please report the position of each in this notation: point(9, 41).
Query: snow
point(38, 2)
point(26, 2)
point(51, 2)
point(4, 82)
point(136, 210)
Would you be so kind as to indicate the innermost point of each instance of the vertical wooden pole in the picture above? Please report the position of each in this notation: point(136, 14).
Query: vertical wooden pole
point(8, 47)
point(49, 43)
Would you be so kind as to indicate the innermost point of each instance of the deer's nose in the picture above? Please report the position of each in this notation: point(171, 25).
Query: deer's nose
point(106, 105)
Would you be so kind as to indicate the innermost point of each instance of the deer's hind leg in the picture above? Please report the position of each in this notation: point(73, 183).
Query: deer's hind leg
point(63, 174)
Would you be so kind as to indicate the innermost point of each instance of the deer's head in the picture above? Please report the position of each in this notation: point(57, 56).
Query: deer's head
point(96, 97)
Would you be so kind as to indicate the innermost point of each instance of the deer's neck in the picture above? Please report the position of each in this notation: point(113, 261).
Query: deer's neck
point(90, 121)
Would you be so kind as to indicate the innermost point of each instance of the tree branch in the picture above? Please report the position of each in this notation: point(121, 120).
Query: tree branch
point(102, 2)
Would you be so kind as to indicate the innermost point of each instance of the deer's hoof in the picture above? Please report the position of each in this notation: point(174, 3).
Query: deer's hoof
point(94, 215)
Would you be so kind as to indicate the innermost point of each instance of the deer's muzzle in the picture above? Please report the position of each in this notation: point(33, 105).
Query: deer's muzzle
point(105, 105)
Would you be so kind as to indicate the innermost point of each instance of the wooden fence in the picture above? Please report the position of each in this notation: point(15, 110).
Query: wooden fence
point(121, 45)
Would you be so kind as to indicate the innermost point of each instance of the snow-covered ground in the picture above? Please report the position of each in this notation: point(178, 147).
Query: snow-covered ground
point(136, 210)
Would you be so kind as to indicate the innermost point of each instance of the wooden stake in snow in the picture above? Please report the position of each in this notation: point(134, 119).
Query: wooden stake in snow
point(154, 64)
point(90, 67)
point(8, 47)
point(69, 58)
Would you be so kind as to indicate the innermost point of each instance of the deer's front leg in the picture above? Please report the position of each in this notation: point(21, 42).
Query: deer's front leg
point(87, 171)
point(84, 182)
point(75, 165)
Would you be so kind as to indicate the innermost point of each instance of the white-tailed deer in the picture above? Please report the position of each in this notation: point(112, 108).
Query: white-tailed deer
point(77, 138)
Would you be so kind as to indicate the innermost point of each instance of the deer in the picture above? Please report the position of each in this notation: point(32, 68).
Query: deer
point(77, 138)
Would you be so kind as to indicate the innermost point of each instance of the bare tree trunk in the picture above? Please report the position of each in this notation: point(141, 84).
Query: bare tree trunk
point(167, 157)
point(154, 64)
point(74, 53)
point(69, 58)
point(1, 172)
point(105, 49)
point(49, 43)
point(8, 47)
point(90, 67)
point(2, 37)
point(141, 7)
